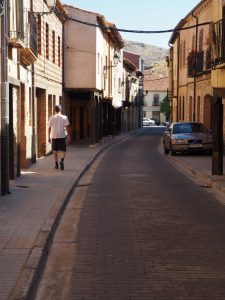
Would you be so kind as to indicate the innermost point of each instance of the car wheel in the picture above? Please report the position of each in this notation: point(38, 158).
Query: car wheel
point(165, 150)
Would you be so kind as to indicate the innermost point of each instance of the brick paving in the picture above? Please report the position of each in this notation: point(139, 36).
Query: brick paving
point(28, 214)
point(148, 232)
point(38, 197)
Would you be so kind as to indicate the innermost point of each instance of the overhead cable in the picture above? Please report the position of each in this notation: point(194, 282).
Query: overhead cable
point(139, 31)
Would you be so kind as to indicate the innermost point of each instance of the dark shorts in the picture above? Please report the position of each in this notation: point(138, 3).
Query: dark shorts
point(59, 144)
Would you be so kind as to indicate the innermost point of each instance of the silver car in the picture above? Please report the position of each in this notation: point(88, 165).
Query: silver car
point(148, 122)
point(187, 137)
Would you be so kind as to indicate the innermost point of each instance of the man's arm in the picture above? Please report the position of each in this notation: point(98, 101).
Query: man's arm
point(68, 139)
point(49, 134)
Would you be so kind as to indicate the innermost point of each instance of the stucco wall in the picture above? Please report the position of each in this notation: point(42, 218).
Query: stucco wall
point(80, 51)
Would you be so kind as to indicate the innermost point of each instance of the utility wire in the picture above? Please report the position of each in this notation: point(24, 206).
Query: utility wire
point(139, 31)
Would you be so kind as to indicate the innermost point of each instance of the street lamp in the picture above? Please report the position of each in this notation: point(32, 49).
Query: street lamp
point(115, 61)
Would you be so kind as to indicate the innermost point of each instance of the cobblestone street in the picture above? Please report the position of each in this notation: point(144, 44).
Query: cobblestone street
point(138, 229)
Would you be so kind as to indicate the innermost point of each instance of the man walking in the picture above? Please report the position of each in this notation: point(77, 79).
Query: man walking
point(58, 133)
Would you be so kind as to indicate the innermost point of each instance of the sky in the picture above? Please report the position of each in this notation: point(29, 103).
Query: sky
point(140, 15)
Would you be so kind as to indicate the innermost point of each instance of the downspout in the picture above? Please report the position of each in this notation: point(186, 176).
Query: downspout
point(4, 103)
point(171, 83)
point(33, 147)
point(196, 46)
point(178, 74)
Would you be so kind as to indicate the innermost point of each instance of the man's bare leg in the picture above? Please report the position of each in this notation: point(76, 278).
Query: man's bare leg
point(62, 160)
point(56, 159)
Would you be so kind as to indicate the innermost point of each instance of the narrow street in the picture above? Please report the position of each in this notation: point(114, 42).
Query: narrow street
point(137, 228)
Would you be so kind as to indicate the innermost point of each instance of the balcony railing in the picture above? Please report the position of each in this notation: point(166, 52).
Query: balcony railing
point(16, 38)
point(198, 62)
point(29, 53)
point(218, 43)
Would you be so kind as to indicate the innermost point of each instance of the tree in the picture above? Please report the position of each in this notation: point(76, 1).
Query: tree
point(165, 108)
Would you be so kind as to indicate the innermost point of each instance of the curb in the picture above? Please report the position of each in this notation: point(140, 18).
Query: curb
point(204, 178)
point(27, 284)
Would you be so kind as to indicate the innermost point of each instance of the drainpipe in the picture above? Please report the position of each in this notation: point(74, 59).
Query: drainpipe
point(196, 46)
point(178, 74)
point(4, 104)
point(171, 83)
point(33, 95)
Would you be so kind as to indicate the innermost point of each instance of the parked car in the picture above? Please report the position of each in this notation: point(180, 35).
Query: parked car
point(187, 137)
point(148, 122)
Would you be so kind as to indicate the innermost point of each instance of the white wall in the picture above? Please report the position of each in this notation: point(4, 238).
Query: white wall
point(80, 51)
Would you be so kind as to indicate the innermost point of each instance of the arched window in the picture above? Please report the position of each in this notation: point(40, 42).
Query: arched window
point(183, 106)
point(200, 40)
point(198, 108)
point(184, 54)
point(193, 42)
point(190, 109)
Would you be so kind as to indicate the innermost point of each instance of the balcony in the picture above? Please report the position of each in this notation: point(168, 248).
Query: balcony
point(195, 63)
point(199, 62)
point(29, 53)
point(16, 39)
point(218, 44)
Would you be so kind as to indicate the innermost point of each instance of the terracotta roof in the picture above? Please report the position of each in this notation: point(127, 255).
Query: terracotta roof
point(155, 82)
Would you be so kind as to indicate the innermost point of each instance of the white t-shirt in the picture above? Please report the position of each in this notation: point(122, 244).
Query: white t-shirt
point(58, 122)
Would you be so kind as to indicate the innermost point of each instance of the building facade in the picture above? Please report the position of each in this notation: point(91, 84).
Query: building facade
point(155, 90)
point(196, 68)
point(47, 70)
point(91, 78)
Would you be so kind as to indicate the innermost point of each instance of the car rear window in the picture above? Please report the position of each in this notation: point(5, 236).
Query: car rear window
point(189, 128)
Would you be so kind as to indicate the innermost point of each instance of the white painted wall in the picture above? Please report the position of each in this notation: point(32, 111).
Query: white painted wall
point(80, 51)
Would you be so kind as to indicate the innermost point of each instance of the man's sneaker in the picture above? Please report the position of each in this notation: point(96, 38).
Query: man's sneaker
point(56, 165)
point(62, 165)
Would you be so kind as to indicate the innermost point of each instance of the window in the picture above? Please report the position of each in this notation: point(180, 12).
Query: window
point(16, 19)
point(59, 51)
point(200, 40)
point(30, 107)
point(193, 42)
point(198, 108)
point(47, 40)
point(155, 100)
point(53, 46)
point(98, 63)
point(10, 50)
point(181, 55)
point(119, 85)
point(50, 109)
point(39, 35)
point(184, 55)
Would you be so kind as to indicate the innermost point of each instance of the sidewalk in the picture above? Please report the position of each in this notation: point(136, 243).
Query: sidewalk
point(30, 214)
point(200, 166)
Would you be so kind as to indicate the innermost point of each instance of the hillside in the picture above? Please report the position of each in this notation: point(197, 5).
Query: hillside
point(154, 57)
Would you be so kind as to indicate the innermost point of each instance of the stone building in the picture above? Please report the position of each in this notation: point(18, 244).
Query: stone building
point(33, 81)
point(47, 69)
point(155, 90)
point(196, 71)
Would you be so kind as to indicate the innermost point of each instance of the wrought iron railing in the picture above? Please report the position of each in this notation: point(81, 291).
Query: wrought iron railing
point(33, 37)
point(15, 36)
point(218, 43)
point(199, 62)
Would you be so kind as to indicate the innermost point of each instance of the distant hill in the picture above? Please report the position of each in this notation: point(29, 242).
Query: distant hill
point(154, 57)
